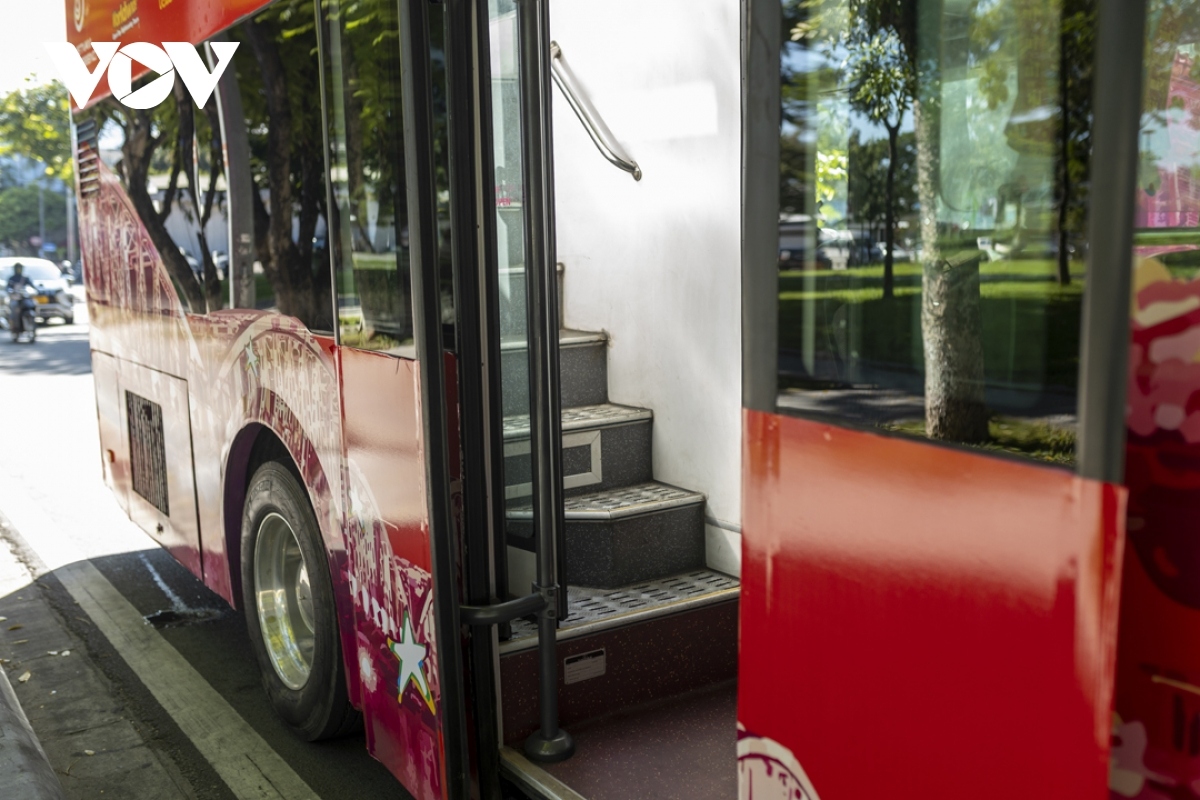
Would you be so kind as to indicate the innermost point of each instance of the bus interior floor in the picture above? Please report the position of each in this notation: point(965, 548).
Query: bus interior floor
point(682, 748)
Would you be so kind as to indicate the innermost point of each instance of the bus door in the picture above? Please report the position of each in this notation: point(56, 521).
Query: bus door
point(1156, 722)
point(384, 93)
point(934, 419)
point(586, 540)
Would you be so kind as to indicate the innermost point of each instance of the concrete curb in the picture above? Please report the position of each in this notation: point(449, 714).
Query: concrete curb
point(27, 774)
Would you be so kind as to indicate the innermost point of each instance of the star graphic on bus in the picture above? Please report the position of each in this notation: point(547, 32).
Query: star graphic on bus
point(251, 359)
point(411, 655)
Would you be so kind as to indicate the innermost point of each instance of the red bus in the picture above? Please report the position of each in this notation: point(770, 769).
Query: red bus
point(548, 468)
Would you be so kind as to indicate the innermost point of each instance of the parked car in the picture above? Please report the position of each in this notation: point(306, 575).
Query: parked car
point(53, 300)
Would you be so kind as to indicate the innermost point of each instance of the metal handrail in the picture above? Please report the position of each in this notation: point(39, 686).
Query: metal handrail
point(601, 136)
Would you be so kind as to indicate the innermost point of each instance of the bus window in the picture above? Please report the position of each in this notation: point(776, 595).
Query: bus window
point(279, 85)
point(933, 196)
point(170, 161)
point(370, 215)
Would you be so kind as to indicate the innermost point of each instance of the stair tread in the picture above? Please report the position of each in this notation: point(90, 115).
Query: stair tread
point(566, 338)
point(590, 609)
point(600, 415)
point(623, 501)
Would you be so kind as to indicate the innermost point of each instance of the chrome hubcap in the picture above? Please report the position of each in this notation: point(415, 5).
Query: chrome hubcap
point(284, 598)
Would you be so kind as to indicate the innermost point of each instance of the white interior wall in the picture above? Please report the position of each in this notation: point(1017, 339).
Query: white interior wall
point(656, 263)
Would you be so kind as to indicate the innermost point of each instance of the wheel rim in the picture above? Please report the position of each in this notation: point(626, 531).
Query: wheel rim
point(284, 598)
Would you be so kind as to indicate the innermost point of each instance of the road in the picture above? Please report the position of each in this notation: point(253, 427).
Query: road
point(126, 708)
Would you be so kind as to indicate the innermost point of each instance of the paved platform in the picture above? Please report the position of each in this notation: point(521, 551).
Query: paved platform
point(85, 747)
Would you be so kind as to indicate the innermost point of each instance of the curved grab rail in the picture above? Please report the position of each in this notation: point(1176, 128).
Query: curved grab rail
point(601, 136)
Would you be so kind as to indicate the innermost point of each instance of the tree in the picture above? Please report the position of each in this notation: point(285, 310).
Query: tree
point(35, 121)
point(881, 87)
point(879, 46)
point(277, 78)
point(871, 161)
point(1076, 54)
point(19, 217)
point(278, 82)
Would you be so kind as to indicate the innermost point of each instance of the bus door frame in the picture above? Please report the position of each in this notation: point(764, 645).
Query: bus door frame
point(479, 545)
point(1105, 328)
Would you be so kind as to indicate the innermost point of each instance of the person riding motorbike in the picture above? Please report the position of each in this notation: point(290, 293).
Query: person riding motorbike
point(15, 288)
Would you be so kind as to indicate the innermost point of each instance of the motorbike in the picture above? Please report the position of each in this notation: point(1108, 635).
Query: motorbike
point(21, 318)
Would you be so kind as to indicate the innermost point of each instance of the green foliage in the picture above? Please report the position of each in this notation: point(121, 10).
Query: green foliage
point(869, 161)
point(35, 122)
point(1024, 437)
point(19, 216)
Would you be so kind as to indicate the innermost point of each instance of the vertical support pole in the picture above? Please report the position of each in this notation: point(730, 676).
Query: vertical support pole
point(1117, 105)
point(478, 332)
point(41, 215)
point(417, 89)
point(550, 743)
point(239, 205)
point(761, 43)
point(71, 247)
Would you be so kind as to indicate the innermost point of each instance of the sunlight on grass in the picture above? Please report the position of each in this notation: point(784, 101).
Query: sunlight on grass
point(1030, 438)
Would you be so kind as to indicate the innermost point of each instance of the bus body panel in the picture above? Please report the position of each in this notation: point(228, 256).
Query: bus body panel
point(238, 373)
point(389, 565)
point(154, 419)
point(108, 417)
point(1156, 724)
point(922, 617)
point(153, 21)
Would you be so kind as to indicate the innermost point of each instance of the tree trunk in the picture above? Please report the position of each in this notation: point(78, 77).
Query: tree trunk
point(951, 325)
point(1064, 165)
point(138, 150)
point(286, 273)
point(889, 223)
point(216, 164)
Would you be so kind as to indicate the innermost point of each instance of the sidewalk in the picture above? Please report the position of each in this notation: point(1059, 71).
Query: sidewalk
point(88, 747)
point(23, 763)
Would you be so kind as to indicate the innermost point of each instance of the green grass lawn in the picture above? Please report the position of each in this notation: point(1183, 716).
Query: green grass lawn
point(1031, 438)
point(1030, 326)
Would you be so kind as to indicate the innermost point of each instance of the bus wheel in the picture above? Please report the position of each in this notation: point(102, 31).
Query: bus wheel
point(288, 600)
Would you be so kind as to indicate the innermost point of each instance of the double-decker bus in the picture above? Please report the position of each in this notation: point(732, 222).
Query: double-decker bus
point(454, 343)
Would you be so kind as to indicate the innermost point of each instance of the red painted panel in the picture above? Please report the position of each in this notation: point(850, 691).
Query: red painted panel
point(1156, 742)
point(387, 535)
point(921, 621)
point(152, 21)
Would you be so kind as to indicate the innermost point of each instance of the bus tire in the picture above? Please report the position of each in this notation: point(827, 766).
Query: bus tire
point(289, 606)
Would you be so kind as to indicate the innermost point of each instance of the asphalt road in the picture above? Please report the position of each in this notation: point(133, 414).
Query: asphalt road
point(124, 707)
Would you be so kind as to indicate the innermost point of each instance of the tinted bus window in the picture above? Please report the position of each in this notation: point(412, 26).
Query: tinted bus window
point(170, 161)
point(278, 83)
point(933, 195)
point(370, 230)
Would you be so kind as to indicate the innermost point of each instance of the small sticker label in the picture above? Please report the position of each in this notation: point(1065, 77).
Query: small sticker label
point(584, 666)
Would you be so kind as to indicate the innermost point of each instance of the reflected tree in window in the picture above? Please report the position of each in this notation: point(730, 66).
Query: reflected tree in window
point(172, 167)
point(965, 145)
point(280, 91)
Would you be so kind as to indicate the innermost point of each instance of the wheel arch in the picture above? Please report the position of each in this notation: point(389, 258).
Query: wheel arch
point(255, 444)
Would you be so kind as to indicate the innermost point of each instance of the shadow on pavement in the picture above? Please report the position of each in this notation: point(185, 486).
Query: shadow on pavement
point(59, 350)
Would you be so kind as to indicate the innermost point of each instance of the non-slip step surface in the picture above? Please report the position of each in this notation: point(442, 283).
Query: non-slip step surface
point(586, 605)
point(627, 501)
point(599, 415)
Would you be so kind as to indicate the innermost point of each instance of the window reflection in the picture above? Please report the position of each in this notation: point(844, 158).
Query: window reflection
point(170, 161)
point(369, 187)
point(279, 86)
point(932, 208)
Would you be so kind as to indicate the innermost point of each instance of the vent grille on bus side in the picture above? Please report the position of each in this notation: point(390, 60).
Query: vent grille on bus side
point(147, 450)
point(87, 157)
